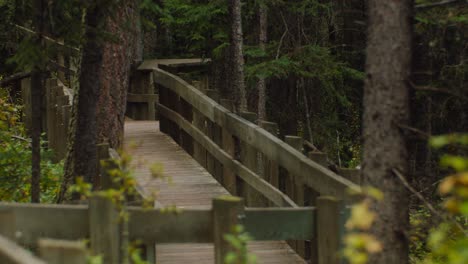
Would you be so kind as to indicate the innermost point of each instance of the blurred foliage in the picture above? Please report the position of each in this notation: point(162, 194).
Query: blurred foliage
point(238, 240)
point(15, 159)
point(358, 242)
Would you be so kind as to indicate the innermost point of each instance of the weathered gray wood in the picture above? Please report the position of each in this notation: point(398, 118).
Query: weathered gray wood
point(228, 145)
point(311, 200)
point(62, 251)
point(55, 221)
point(271, 169)
point(11, 253)
point(280, 223)
point(154, 226)
point(295, 190)
point(248, 157)
point(330, 215)
point(199, 153)
point(353, 175)
point(235, 166)
point(323, 180)
point(228, 212)
point(8, 224)
point(319, 157)
point(104, 229)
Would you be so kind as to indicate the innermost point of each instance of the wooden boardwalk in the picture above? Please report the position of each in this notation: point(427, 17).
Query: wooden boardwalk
point(191, 186)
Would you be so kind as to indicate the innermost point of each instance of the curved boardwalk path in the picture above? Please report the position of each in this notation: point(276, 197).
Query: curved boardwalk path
point(191, 187)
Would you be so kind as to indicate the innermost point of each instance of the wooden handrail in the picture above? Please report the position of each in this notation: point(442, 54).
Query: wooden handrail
point(10, 252)
point(312, 174)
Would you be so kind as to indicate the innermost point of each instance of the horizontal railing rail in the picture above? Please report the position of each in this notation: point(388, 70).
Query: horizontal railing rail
point(99, 223)
point(313, 175)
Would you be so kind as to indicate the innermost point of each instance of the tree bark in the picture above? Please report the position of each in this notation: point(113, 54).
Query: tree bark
point(386, 107)
point(117, 58)
point(82, 157)
point(37, 86)
point(237, 56)
point(262, 41)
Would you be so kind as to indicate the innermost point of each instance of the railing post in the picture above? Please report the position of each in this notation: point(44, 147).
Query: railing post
point(271, 170)
point(227, 213)
point(249, 159)
point(8, 224)
point(311, 200)
point(186, 141)
point(330, 229)
point(229, 146)
point(104, 229)
point(295, 190)
point(353, 175)
point(60, 251)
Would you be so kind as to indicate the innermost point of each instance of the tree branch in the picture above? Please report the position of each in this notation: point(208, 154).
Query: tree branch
point(427, 203)
point(439, 4)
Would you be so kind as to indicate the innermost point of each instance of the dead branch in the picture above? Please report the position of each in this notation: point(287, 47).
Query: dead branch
point(427, 203)
point(440, 4)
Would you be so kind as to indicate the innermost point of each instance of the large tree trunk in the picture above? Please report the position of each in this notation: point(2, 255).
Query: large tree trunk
point(37, 87)
point(82, 157)
point(237, 56)
point(262, 40)
point(386, 107)
point(117, 59)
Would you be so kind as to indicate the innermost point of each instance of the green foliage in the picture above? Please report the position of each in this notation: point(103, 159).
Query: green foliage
point(15, 160)
point(448, 242)
point(198, 27)
point(238, 240)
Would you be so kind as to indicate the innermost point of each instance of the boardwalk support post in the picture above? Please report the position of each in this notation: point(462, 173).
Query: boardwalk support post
point(104, 229)
point(228, 212)
point(295, 190)
point(8, 224)
point(60, 251)
point(330, 220)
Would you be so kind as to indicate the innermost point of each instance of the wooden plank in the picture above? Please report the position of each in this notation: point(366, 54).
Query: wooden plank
point(280, 223)
point(330, 222)
point(154, 226)
point(8, 224)
point(11, 253)
point(248, 157)
point(295, 190)
point(104, 229)
point(153, 64)
point(227, 213)
point(55, 221)
point(314, 175)
point(63, 251)
point(235, 166)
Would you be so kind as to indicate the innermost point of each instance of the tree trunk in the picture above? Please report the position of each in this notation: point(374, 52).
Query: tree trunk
point(386, 106)
point(237, 56)
point(117, 59)
point(262, 40)
point(82, 157)
point(37, 86)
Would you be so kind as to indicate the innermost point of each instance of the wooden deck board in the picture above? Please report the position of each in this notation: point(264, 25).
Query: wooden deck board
point(191, 186)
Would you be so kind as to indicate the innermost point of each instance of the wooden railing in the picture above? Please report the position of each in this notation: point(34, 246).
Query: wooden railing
point(99, 223)
point(56, 113)
point(250, 160)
